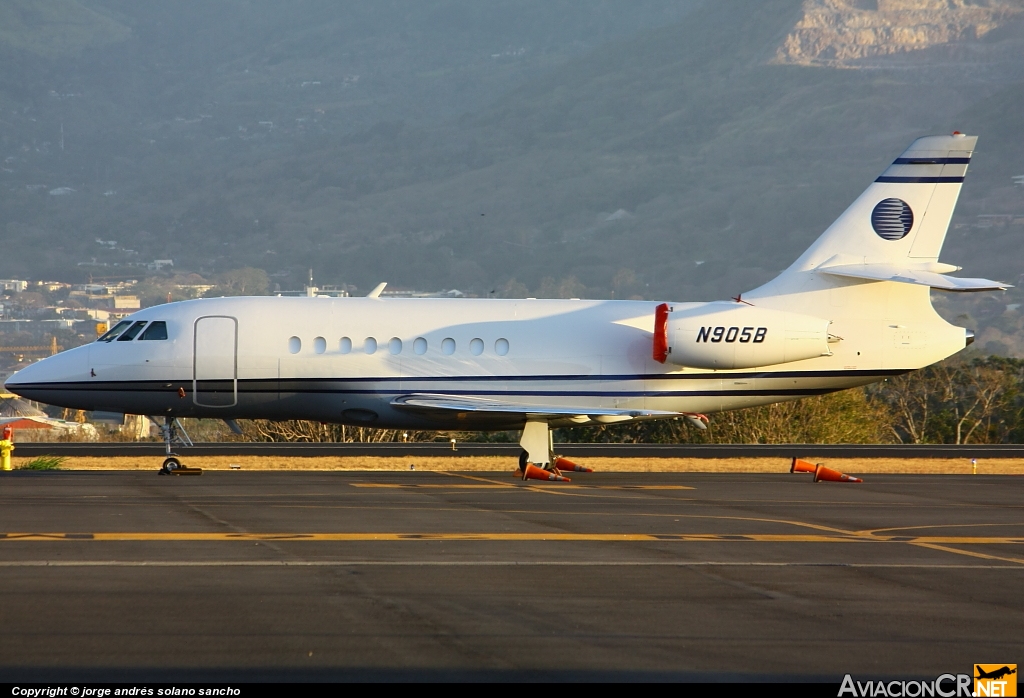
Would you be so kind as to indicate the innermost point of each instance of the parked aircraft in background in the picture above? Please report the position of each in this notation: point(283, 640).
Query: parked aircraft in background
point(853, 309)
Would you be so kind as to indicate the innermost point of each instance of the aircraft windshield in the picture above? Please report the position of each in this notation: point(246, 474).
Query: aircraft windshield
point(114, 331)
point(129, 334)
point(156, 330)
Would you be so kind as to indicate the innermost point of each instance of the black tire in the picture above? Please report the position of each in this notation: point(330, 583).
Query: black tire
point(170, 464)
point(524, 461)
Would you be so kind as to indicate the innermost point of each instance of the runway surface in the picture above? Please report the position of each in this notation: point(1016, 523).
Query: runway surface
point(239, 576)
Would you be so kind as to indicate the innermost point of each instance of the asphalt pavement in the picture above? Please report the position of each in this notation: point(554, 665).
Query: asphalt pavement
point(240, 576)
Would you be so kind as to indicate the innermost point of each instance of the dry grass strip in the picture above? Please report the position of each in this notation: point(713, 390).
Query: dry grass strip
point(943, 466)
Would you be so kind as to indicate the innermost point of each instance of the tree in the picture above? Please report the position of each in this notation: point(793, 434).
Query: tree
point(320, 432)
point(957, 401)
point(842, 417)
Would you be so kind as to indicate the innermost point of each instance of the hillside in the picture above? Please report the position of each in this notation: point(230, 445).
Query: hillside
point(851, 33)
point(632, 149)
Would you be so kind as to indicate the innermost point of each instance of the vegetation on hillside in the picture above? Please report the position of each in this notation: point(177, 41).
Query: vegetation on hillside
point(441, 145)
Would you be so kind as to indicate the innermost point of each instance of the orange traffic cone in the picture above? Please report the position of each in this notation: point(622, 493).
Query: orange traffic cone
point(802, 466)
point(829, 475)
point(566, 464)
point(535, 473)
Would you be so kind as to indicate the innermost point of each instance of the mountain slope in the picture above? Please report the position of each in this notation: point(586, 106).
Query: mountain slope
point(625, 151)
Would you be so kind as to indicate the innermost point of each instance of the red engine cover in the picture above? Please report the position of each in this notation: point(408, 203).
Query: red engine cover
point(661, 333)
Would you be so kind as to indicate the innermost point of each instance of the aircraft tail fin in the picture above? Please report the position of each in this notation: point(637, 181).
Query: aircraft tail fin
point(894, 231)
point(872, 271)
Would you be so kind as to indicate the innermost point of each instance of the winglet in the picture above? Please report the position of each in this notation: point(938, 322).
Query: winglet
point(375, 293)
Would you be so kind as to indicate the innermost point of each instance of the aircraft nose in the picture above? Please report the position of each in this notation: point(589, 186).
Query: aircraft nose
point(39, 381)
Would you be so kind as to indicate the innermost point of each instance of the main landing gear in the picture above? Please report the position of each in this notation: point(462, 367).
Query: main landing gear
point(174, 434)
point(538, 460)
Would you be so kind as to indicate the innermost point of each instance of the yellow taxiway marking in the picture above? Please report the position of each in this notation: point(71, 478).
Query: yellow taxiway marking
point(500, 486)
point(557, 488)
point(492, 536)
point(533, 487)
point(874, 531)
point(392, 486)
point(969, 553)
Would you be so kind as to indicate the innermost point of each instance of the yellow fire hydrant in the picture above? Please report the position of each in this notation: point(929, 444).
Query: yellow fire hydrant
point(6, 446)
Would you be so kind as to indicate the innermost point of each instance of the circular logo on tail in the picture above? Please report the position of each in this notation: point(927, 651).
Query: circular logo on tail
point(892, 219)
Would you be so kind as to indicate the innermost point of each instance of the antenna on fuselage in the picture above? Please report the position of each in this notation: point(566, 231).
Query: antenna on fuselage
point(375, 293)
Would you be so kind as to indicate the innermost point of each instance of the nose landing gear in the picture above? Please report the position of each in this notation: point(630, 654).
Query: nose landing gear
point(174, 434)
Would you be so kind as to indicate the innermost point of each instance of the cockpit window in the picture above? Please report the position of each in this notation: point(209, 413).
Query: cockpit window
point(129, 334)
point(114, 331)
point(156, 330)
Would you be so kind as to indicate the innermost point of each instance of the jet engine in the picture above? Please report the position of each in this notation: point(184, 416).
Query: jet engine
point(725, 335)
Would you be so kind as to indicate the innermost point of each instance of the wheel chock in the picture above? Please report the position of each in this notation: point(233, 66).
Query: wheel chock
point(535, 473)
point(187, 471)
point(802, 466)
point(829, 475)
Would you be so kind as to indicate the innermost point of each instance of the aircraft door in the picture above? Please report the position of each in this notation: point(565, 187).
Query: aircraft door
point(215, 362)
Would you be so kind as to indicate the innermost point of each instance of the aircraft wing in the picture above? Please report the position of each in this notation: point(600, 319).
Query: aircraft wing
point(431, 403)
point(891, 272)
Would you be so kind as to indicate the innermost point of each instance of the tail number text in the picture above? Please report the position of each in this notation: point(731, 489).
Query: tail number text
point(732, 334)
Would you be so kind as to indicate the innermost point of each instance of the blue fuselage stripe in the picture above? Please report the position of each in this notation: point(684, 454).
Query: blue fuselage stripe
point(395, 385)
point(932, 161)
point(540, 378)
point(920, 180)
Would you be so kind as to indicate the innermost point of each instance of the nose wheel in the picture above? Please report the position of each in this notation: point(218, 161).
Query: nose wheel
point(173, 466)
point(173, 434)
point(169, 465)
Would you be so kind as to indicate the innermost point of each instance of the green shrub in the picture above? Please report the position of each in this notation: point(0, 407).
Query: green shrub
point(44, 463)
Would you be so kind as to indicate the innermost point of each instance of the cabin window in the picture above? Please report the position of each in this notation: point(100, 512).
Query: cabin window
point(129, 334)
point(114, 331)
point(395, 345)
point(420, 346)
point(319, 345)
point(295, 345)
point(448, 346)
point(345, 346)
point(370, 345)
point(156, 330)
point(501, 347)
point(476, 347)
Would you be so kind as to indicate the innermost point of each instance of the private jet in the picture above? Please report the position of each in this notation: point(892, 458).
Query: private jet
point(855, 308)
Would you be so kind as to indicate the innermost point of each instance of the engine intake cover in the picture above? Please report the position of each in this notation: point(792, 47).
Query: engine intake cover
point(725, 335)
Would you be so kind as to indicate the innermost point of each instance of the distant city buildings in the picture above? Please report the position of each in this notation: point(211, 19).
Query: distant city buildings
point(127, 303)
point(16, 285)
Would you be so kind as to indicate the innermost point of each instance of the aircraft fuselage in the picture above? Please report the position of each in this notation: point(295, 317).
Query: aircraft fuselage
point(345, 360)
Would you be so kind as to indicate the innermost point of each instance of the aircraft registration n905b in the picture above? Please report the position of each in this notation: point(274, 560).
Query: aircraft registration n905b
point(853, 309)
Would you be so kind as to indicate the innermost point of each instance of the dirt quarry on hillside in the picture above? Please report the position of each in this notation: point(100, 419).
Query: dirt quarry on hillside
point(938, 466)
point(842, 33)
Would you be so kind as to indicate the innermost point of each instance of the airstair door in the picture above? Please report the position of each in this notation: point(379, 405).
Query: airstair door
point(215, 363)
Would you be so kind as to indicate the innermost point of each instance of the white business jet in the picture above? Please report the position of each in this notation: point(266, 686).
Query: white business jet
point(853, 309)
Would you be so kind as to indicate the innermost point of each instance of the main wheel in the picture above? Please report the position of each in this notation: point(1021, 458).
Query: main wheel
point(524, 460)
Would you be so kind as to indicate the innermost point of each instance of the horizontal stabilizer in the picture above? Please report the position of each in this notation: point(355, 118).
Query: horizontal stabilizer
point(919, 277)
point(425, 402)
